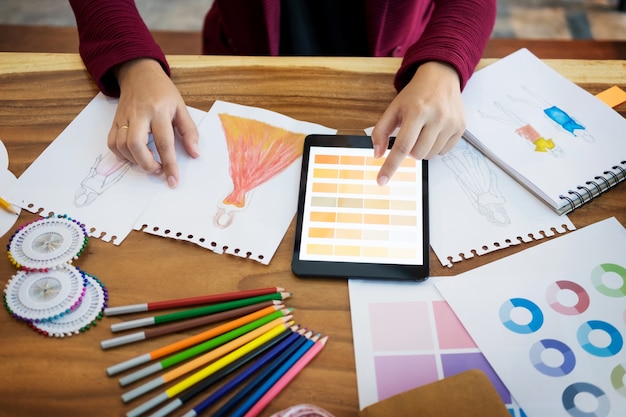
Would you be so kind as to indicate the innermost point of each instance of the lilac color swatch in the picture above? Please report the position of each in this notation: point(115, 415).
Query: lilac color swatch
point(389, 331)
point(397, 374)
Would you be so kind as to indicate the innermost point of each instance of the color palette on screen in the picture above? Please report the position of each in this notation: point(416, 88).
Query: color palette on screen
point(348, 216)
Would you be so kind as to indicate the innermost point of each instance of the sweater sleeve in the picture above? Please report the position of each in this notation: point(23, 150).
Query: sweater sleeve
point(112, 32)
point(456, 33)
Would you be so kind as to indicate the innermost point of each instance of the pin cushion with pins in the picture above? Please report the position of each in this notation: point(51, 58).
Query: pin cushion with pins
point(51, 295)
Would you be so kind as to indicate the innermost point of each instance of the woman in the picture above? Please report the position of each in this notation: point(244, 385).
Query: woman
point(441, 42)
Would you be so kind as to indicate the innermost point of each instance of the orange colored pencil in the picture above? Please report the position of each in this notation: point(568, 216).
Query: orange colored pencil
point(193, 340)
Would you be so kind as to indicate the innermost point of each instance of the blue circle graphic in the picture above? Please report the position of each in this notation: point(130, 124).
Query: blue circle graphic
point(617, 342)
point(604, 405)
point(505, 316)
point(569, 360)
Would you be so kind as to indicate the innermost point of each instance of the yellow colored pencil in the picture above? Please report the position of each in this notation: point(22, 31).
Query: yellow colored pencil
point(7, 206)
point(207, 371)
point(231, 357)
point(204, 359)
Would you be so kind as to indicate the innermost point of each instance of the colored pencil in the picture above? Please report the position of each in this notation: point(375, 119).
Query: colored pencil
point(267, 372)
point(296, 340)
point(176, 327)
point(209, 344)
point(211, 355)
point(269, 382)
point(196, 339)
point(195, 312)
point(7, 206)
point(192, 301)
point(188, 382)
point(286, 378)
point(206, 383)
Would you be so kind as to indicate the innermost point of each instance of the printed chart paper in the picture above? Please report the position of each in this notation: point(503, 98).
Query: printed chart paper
point(551, 320)
point(406, 336)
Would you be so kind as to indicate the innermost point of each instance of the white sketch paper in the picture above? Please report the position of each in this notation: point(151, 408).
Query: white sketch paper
point(66, 177)
point(477, 208)
point(241, 194)
point(7, 219)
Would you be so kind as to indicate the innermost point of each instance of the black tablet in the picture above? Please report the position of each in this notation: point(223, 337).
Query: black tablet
point(348, 226)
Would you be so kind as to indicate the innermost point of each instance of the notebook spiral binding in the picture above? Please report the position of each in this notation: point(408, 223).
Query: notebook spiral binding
point(592, 189)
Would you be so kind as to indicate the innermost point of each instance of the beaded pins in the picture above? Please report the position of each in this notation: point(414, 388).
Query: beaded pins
point(51, 295)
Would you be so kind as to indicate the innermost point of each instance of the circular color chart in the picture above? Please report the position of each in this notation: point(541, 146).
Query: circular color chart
point(555, 288)
point(617, 342)
point(569, 360)
point(507, 308)
point(47, 243)
point(617, 379)
point(603, 404)
point(598, 273)
point(42, 296)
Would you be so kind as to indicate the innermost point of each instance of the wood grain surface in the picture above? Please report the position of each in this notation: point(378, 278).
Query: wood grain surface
point(40, 94)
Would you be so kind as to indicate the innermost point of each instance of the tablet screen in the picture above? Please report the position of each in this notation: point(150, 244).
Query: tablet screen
point(347, 225)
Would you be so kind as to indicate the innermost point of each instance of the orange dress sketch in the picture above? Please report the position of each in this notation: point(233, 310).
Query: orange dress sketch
point(257, 152)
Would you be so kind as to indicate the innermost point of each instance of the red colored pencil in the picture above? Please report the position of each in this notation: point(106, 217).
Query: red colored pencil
point(192, 301)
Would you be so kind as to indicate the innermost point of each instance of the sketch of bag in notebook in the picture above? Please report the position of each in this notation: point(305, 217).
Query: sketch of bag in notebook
point(526, 131)
point(557, 115)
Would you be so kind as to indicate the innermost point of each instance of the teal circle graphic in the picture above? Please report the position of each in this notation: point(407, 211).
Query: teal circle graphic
point(570, 393)
point(569, 360)
point(596, 279)
point(505, 315)
point(617, 342)
point(617, 379)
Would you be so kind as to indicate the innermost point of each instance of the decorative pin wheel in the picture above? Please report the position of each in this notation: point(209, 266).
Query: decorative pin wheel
point(47, 243)
point(54, 297)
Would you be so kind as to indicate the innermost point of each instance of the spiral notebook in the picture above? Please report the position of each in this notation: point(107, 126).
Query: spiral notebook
point(556, 139)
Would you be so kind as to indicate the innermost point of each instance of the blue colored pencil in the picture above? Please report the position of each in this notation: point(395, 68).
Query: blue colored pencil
point(269, 382)
point(272, 365)
point(223, 373)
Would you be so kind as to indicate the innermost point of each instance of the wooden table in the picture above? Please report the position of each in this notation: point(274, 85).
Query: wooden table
point(41, 93)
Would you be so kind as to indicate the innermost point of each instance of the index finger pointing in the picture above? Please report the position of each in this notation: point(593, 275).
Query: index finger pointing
point(401, 148)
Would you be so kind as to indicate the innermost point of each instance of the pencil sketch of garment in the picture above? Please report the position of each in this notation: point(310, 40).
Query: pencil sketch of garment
point(478, 181)
point(526, 131)
point(106, 171)
point(557, 115)
point(257, 152)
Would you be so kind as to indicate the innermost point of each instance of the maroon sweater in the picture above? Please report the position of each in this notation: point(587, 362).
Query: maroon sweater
point(451, 31)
